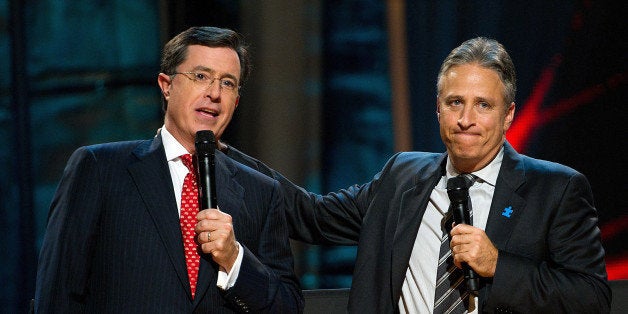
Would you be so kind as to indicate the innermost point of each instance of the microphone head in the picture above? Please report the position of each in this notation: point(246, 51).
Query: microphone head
point(457, 189)
point(205, 143)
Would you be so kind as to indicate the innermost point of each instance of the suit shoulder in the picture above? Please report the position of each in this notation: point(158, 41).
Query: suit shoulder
point(414, 159)
point(245, 170)
point(112, 147)
point(109, 152)
point(539, 171)
point(546, 167)
point(248, 161)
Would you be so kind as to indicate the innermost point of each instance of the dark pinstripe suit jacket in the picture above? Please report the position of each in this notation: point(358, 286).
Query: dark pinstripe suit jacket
point(550, 260)
point(113, 242)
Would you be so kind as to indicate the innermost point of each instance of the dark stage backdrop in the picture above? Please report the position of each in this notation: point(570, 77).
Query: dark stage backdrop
point(570, 58)
point(81, 73)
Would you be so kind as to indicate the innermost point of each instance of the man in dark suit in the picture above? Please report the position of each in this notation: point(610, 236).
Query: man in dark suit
point(115, 236)
point(534, 239)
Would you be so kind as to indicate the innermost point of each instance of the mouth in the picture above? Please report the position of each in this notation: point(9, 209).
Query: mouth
point(463, 135)
point(212, 113)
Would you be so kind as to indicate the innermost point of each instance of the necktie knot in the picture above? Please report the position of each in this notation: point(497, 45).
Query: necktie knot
point(469, 179)
point(187, 161)
point(460, 184)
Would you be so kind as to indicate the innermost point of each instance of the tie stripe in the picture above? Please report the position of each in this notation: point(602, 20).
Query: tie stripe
point(451, 295)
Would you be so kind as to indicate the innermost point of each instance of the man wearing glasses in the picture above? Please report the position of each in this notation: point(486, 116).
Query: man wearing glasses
point(120, 234)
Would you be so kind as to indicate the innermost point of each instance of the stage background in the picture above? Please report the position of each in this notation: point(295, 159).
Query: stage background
point(318, 106)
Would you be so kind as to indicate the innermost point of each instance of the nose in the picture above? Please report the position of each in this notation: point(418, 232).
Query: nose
point(213, 89)
point(467, 116)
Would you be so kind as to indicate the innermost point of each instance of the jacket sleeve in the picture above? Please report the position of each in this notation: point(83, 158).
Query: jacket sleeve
point(266, 282)
point(313, 218)
point(64, 259)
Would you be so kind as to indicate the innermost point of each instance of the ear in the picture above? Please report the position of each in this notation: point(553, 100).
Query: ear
point(510, 115)
point(437, 108)
point(163, 81)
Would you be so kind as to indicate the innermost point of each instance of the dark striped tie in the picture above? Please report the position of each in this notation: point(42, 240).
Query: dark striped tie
point(451, 291)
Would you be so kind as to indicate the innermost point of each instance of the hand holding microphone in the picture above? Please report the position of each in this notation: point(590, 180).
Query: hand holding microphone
point(472, 250)
point(458, 192)
point(214, 228)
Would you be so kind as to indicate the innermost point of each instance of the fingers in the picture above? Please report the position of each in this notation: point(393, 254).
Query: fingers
point(215, 242)
point(472, 246)
point(215, 236)
point(204, 237)
point(221, 244)
point(212, 213)
point(214, 228)
point(211, 219)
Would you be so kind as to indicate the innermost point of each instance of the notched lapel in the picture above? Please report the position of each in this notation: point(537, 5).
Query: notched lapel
point(505, 211)
point(152, 178)
point(411, 209)
point(507, 206)
point(229, 193)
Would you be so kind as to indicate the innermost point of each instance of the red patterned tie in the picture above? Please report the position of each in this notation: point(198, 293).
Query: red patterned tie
point(189, 209)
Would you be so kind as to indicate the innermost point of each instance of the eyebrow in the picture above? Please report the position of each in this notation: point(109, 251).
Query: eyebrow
point(212, 71)
point(475, 99)
point(451, 97)
point(482, 99)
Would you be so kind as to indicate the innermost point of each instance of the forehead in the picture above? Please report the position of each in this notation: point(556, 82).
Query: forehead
point(472, 79)
point(222, 60)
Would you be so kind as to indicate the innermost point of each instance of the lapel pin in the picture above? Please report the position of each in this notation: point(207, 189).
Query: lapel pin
point(507, 212)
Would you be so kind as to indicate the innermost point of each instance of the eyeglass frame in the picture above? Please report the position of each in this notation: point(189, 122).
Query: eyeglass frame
point(211, 80)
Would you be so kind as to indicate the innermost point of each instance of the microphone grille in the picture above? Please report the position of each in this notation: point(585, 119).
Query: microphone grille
point(457, 189)
point(456, 183)
point(205, 142)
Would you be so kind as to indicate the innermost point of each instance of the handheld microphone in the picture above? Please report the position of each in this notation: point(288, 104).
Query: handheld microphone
point(458, 193)
point(205, 144)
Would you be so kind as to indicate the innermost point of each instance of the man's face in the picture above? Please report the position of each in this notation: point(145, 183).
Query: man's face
point(472, 115)
point(195, 106)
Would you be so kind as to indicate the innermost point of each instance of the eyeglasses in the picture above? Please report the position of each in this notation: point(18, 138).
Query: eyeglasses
point(204, 80)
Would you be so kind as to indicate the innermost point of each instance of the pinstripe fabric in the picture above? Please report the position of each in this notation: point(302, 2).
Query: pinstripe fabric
point(113, 242)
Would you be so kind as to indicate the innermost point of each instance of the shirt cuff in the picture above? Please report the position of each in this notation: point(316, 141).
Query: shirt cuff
point(226, 281)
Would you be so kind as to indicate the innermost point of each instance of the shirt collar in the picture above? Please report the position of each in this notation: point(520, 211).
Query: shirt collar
point(487, 174)
point(173, 148)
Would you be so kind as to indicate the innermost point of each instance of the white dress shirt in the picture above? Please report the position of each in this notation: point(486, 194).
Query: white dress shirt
point(178, 171)
point(418, 289)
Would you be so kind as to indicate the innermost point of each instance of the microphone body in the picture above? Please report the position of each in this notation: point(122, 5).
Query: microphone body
point(205, 144)
point(458, 193)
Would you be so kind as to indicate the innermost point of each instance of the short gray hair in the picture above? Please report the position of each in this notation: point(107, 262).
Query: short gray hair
point(489, 54)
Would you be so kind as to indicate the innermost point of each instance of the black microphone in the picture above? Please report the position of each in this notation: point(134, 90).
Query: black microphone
point(205, 144)
point(458, 193)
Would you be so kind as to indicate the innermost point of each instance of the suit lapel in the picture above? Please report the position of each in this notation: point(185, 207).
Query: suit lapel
point(506, 204)
point(411, 209)
point(230, 197)
point(152, 178)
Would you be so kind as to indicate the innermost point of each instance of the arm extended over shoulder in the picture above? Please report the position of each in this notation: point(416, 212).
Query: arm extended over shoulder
point(312, 217)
